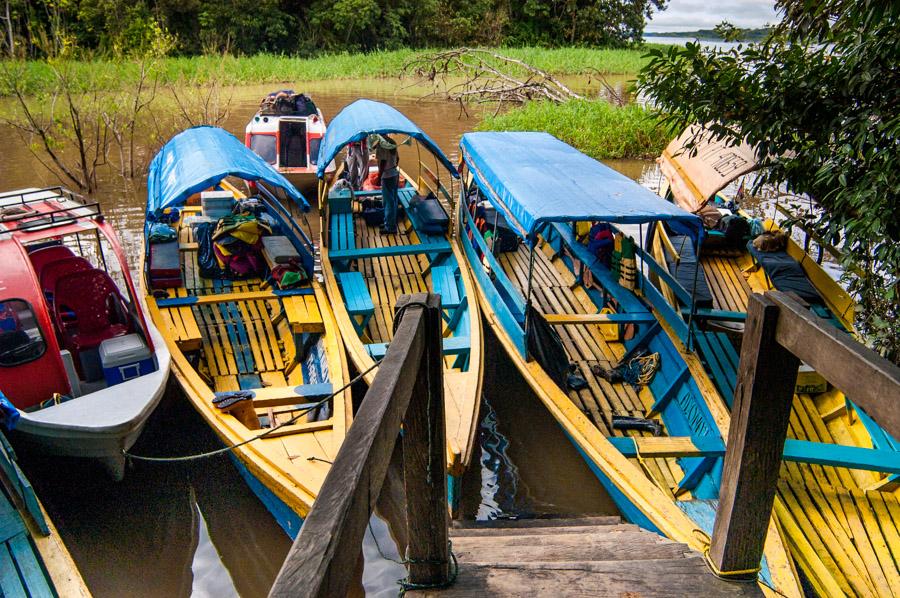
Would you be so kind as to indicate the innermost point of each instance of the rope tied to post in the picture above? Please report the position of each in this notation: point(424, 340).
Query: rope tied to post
point(236, 445)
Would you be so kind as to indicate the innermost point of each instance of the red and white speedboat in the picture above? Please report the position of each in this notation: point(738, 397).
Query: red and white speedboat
point(286, 133)
point(80, 361)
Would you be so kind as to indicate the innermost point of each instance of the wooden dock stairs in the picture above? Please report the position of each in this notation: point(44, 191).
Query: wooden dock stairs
point(591, 556)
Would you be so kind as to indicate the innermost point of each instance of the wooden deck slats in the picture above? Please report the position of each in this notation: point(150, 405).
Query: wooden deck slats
point(388, 277)
point(726, 282)
point(552, 293)
point(851, 530)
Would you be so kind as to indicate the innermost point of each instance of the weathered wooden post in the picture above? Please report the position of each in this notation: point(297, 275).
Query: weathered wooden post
point(425, 454)
point(762, 408)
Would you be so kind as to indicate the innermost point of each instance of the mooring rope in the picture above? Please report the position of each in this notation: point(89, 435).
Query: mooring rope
point(236, 445)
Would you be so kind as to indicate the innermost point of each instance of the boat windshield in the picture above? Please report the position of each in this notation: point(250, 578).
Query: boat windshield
point(21, 340)
point(265, 146)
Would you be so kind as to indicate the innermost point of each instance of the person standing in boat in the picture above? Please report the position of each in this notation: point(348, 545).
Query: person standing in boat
point(357, 163)
point(389, 171)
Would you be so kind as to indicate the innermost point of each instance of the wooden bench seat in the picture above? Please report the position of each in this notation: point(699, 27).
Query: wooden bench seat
point(454, 345)
point(303, 314)
point(357, 297)
point(436, 247)
point(343, 236)
point(721, 360)
point(182, 324)
point(443, 282)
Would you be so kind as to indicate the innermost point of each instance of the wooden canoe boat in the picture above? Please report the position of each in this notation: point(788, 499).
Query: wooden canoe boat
point(281, 346)
point(840, 515)
point(658, 482)
point(79, 358)
point(366, 270)
point(35, 560)
point(837, 505)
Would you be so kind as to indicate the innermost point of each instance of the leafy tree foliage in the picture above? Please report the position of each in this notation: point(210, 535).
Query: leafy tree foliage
point(729, 32)
point(819, 98)
point(117, 27)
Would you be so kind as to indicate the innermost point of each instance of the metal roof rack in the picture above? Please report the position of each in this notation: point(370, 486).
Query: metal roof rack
point(18, 214)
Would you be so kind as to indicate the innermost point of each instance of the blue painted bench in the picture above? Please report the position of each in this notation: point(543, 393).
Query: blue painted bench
point(357, 297)
point(342, 234)
point(391, 251)
point(455, 345)
point(443, 282)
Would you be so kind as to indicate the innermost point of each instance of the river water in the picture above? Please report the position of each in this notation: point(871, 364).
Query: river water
point(195, 528)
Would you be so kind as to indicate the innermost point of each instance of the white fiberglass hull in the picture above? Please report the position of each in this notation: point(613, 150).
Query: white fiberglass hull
point(102, 424)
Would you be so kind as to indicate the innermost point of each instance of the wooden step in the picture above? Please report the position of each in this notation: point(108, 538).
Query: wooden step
point(643, 578)
point(566, 529)
point(587, 556)
point(602, 546)
point(517, 523)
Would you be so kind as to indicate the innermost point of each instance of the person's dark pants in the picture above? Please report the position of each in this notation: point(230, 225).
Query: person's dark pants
point(391, 198)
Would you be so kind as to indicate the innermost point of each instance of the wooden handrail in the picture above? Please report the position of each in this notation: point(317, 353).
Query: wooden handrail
point(780, 331)
point(327, 550)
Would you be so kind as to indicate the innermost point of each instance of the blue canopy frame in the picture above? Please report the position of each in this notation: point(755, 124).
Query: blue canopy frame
point(199, 158)
point(367, 117)
point(534, 178)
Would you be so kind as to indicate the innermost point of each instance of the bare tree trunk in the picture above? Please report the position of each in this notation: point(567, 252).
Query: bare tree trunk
point(9, 32)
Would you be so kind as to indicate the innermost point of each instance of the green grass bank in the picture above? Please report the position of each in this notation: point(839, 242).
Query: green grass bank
point(597, 128)
point(38, 76)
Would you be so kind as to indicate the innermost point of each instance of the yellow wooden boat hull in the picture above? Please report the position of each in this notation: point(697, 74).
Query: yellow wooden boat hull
point(628, 476)
point(292, 462)
point(842, 526)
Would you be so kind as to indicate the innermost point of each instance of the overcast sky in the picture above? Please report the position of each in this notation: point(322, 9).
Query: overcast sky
point(688, 15)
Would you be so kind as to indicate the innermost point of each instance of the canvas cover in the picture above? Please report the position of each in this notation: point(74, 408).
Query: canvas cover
point(533, 178)
point(367, 117)
point(695, 176)
point(200, 157)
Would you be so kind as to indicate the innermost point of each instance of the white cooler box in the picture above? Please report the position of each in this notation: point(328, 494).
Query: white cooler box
point(124, 358)
point(217, 204)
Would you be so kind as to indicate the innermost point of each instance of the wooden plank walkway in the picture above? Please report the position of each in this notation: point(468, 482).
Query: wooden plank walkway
point(594, 556)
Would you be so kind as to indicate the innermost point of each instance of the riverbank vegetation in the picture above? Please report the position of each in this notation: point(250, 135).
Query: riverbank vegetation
point(35, 76)
point(117, 28)
point(819, 101)
point(596, 127)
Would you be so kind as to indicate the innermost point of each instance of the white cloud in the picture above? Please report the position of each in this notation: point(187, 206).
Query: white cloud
point(688, 15)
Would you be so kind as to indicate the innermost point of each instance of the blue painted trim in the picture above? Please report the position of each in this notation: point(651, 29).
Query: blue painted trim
point(703, 313)
point(853, 457)
point(517, 309)
point(509, 321)
point(194, 299)
point(683, 294)
point(695, 471)
point(663, 398)
point(390, 251)
point(322, 389)
point(454, 345)
point(284, 516)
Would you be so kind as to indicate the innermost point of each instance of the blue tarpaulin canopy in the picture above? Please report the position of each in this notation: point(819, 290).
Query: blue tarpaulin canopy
point(200, 157)
point(533, 178)
point(366, 117)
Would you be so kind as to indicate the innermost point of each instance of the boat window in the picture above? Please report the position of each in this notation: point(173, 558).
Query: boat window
point(314, 143)
point(21, 340)
point(265, 147)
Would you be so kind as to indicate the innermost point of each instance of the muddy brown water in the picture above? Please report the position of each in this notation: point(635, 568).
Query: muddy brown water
point(195, 528)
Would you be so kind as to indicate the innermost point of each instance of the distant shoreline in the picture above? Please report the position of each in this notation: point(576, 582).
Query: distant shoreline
point(709, 35)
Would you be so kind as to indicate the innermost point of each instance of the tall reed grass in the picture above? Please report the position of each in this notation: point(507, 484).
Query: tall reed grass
point(595, 127)
point(37, 76)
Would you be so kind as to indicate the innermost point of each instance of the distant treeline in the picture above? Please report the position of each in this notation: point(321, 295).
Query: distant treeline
point(750, 35)
point(36, 28)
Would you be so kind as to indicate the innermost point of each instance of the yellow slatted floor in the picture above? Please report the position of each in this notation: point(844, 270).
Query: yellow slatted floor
point(388, 277)
point(586, 346)
point(855, 532)
point(269, 339)
point(726, 281)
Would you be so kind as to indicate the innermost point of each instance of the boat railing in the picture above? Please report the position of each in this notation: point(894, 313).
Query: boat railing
point(780, 332)
point(325, 554)
point(31, 219)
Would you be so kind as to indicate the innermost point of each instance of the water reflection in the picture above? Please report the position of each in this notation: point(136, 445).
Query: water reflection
point(499, 475)
point(211, 577)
